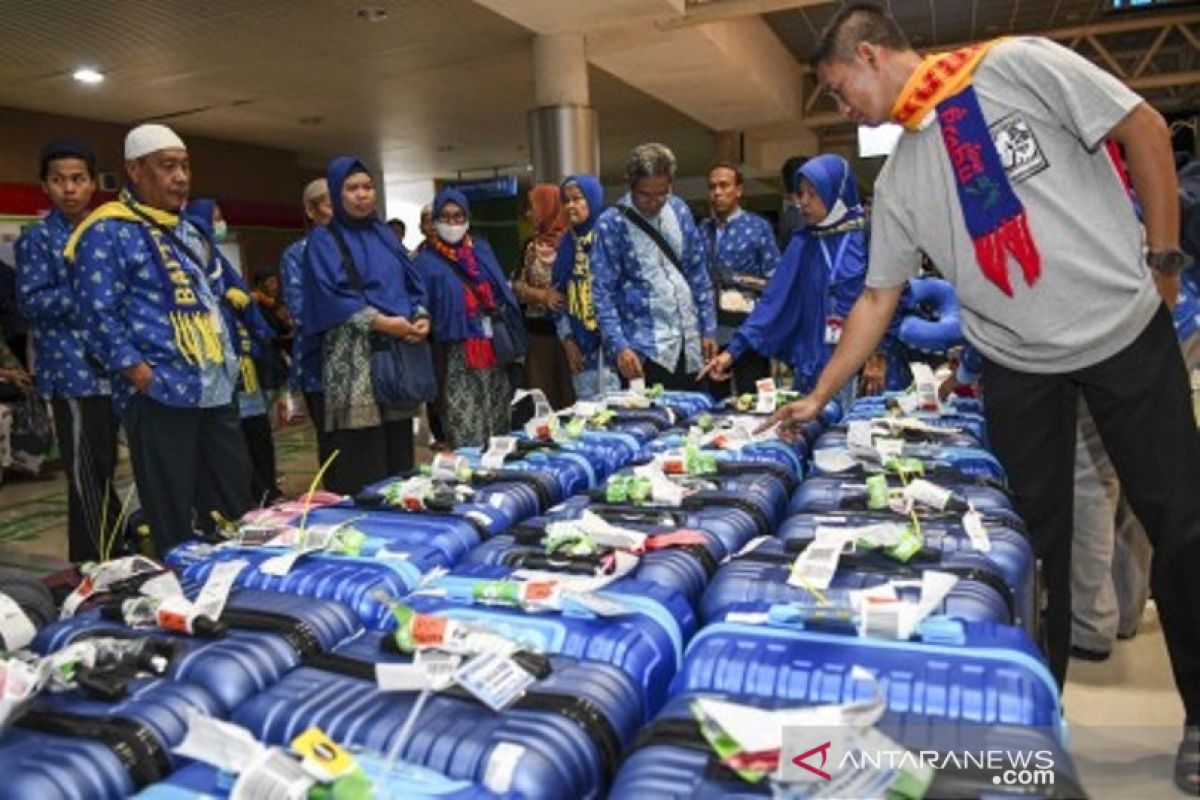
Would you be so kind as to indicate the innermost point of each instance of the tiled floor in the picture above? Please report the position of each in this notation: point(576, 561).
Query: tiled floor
point(1124, 714)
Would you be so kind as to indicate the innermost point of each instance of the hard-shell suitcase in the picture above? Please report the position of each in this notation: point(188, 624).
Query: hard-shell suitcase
point(967, 460)
point(844, 493)
point(971, 671)
point(1008, 547)
point(65, 745)
point(561, 739)
point(497, 501)
point(643, 632)
point(757, 580)
point(267, 635)
point(971, 424)
point(353, 580)
point(670, 758)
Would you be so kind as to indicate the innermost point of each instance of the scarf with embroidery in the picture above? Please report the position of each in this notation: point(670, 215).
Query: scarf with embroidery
point(478, 349)
point(194, 326)
point(994, 215)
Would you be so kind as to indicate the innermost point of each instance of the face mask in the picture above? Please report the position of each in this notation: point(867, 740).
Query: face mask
point(452, 234)
point(220, 230)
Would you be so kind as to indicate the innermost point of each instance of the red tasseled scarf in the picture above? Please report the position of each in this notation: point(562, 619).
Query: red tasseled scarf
point(478, 349)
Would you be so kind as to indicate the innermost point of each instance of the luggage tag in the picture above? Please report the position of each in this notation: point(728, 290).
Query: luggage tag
point(637, 387)
point(816, 565)
point(499, 447)
point(228, 747)
point(973, 525)
point(449, 467)
point(274, 775)
point(926, 386)
point(765, 398)
point(321, 757)
point(15, 627)
point(928, 493)
point(860, 437)
point(662, 489)
point(485, 322)
point(494, 679)
point(833, 330)
point(832, 460)
point(211, 600)
point(888, 448)
point(102, 576)
point(594, 605)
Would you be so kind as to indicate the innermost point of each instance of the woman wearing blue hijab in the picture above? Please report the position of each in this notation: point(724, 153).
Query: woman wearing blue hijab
point(799, 318)
point(467, 288)
point(583, 200)
point(373, 441)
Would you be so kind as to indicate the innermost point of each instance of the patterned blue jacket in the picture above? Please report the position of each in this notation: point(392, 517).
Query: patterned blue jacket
point(125, 310)
point(642, 302)
point(47, 299)
point(745, 245)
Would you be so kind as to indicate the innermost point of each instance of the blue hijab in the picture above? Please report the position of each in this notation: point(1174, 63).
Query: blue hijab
point(390, 285)
point(587, 337)
point(820, 275)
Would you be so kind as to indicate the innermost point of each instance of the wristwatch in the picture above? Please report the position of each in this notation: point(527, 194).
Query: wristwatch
point(1168, 262)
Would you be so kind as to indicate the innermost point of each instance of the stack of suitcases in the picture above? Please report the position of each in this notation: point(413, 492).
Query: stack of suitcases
point(590, 607)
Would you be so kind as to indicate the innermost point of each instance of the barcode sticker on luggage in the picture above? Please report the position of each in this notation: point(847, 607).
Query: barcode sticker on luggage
point(502, 766)
point(815, 566)
point(973, 525)
point(439, 666)
point(402, 678)
point(274, 776)
point(496, 680)
point(16, 630)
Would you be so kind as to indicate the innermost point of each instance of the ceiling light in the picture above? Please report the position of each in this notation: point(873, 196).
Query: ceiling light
point(88, 75)
point(372, 13)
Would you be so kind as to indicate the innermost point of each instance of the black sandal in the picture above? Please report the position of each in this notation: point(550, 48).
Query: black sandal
point(1187, 762)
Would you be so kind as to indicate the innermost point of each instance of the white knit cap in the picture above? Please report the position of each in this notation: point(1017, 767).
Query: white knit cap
point(150, 138)
point(315, 189)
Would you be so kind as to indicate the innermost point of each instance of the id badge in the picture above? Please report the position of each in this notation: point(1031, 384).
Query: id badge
point(486, 324)
point(833, 330)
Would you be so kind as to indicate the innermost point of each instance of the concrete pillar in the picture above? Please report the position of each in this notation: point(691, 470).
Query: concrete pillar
point(563, 135)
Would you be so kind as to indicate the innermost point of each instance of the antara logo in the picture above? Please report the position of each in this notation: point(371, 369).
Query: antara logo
point(823, 749)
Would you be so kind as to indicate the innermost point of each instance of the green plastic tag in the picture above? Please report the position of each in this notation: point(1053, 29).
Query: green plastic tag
point(506, 592)
point(349, 541)
point(877, 492)
point(910, 542)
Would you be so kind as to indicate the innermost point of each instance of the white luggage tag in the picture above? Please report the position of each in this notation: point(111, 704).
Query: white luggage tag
point(496, 680)
point(499, 447)
point(928, 493)
point(662, 489)
point(973, 525)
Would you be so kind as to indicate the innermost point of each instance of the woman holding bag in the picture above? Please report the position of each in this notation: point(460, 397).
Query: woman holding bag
point(476, 320)
point(367, 303)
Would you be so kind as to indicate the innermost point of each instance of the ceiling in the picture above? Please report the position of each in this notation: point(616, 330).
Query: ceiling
point(437, 87)
point(442, 86)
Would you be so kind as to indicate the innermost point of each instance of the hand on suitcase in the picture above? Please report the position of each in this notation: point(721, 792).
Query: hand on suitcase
point(792, 416)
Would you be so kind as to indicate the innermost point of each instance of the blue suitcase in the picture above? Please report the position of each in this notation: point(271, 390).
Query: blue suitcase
point(670, 758)
point(354, 581)
point(268, 635)
point(1011, 551)
point(976, 672)
point(563, 472)
point(66, 745)
point(757, 580)
point(831, 414)
point(967, 460)
point(838, 438)
point(496, 504)
point(791, 456)
point(882, 403)
point(843, 492)
point(647, 643)
point(973, 424)
point(733, 524)
point(562, 739)
point(729, 527)
point(686, 569)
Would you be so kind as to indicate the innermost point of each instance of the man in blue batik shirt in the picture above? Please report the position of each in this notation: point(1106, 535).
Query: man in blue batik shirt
point(742, 255)
point(153, 315)
point(650, 282)
point(305, 376)
point(78, 390)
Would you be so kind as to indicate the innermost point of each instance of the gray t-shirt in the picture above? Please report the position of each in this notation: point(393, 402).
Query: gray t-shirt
point(1048, 111)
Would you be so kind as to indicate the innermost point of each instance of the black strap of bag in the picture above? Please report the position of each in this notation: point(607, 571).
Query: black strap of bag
point(655, 236)
point(352, 274)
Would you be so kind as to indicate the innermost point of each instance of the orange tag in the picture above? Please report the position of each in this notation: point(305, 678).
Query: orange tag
point(172, 621)
point(539, 590)
point(428, 630)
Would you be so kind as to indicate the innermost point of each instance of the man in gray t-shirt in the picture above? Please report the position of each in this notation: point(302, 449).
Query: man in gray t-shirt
point(1006, 178)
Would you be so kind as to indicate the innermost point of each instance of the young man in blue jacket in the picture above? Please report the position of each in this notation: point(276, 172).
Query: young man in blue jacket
point(77, 387)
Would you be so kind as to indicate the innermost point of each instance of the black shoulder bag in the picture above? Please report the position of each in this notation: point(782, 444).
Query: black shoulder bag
point(401, 372)
point(510, 340)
